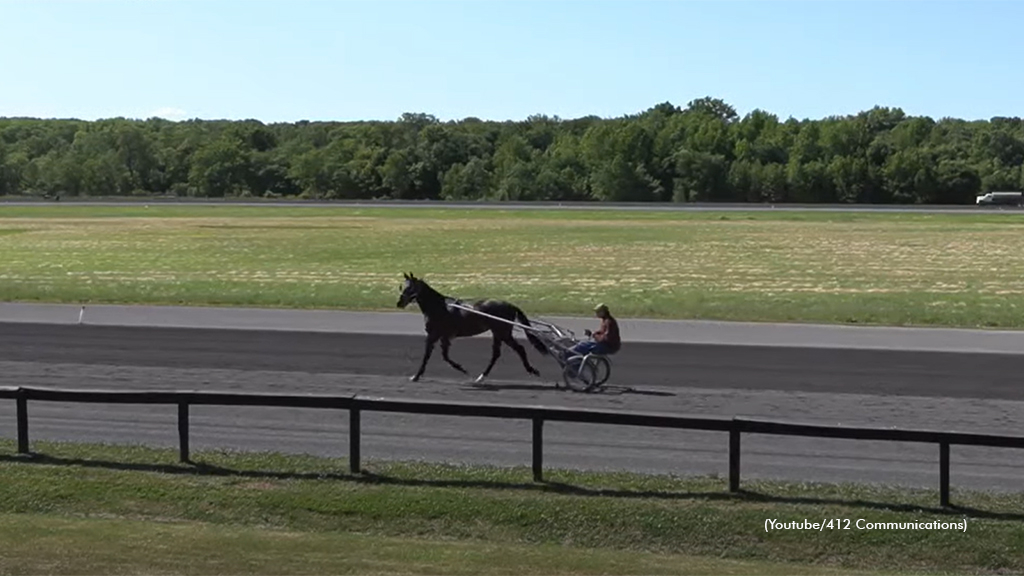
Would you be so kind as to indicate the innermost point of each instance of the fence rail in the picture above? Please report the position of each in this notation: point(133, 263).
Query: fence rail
point(537, 414)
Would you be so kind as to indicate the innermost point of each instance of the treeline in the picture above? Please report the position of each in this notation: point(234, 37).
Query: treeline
point(703, 152)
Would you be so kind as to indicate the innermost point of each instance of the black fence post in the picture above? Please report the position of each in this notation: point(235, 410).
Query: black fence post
point(538, 449)
point(353, 440)
point(183, 447)
point(944, 473)
point(22, 402)
point(734, 459)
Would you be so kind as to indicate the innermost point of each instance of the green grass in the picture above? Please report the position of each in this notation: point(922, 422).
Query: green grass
point(44, 544)
point(469, 519)
point(865, 268)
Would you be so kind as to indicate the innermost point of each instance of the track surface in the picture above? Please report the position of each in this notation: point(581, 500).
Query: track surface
point(914, 389)
point(634, 330)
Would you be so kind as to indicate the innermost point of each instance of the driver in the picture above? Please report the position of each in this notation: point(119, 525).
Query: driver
point(606, 340)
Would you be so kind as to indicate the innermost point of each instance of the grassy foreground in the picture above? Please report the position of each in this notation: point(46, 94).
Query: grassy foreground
point(869, 268)
point(36, 544)
point(134, 509)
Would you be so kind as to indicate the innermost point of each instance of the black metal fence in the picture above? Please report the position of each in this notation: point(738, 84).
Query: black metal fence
point(735, 427)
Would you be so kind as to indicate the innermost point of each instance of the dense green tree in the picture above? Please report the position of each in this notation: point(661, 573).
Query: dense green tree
point(701, 152)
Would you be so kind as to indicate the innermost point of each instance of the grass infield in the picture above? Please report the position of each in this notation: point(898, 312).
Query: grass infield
point(867, 268)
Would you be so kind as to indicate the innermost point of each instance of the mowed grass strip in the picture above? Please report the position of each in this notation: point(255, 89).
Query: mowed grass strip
point(45, 544)
point(495, 507)
point(894, 269)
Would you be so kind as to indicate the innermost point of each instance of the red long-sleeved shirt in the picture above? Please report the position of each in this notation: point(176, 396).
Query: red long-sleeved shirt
point(608, 334)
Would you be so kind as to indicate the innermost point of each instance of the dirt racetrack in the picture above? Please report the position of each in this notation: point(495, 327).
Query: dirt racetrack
point(912, 389)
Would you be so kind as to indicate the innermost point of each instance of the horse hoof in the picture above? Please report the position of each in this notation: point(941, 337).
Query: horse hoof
point(479, 379)
point(414, 379)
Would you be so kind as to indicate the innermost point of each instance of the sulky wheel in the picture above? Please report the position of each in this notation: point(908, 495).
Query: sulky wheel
point(602, 369)
point(577, 379)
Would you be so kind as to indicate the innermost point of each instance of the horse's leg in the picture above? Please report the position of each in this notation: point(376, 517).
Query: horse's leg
point(495, 353)
point(445, 345)
point(522, 354)
point(431, 340)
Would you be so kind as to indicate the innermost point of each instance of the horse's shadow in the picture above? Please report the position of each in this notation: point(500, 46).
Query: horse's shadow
point(558, 387)
point(488, 387)
point(619, 390)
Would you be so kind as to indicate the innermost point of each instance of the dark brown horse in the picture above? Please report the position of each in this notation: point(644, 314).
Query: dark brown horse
point(445, 324)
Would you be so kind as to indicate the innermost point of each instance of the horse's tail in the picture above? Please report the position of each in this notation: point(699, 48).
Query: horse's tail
point(537, 343)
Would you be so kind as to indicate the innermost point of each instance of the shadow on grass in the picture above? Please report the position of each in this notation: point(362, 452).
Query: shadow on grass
point(365, 477)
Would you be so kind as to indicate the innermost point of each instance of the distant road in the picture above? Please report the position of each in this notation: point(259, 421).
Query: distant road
point(655, 207)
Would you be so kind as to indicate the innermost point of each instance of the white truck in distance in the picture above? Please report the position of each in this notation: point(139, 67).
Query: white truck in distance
point(1013, 198)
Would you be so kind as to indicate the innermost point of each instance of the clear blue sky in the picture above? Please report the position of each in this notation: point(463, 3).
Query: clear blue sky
point(347, 60)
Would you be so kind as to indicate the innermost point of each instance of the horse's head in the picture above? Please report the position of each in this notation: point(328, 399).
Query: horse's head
point(410, 290)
